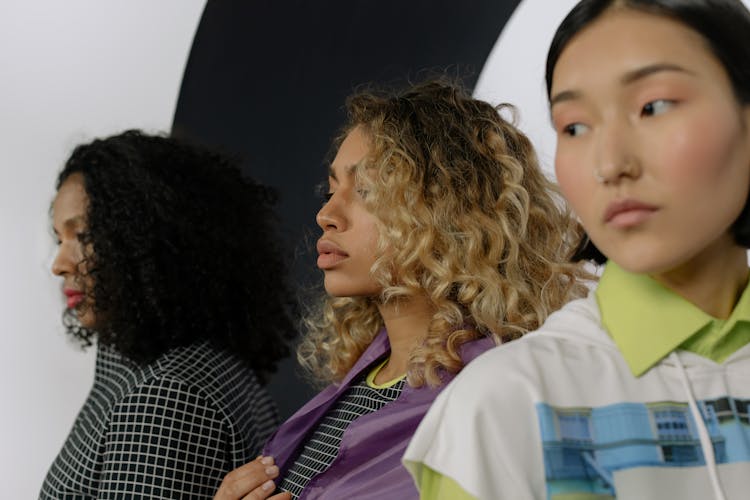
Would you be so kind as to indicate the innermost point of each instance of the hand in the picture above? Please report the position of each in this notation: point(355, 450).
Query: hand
point(252, 481)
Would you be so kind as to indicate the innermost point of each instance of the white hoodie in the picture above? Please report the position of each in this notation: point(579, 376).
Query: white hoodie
point(558, 414)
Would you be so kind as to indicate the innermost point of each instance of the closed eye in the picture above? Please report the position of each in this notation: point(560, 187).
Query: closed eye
point(323, 192)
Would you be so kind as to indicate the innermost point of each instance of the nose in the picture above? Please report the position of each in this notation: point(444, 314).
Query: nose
point(63, 262)
point(617, 158)
point(331, 217)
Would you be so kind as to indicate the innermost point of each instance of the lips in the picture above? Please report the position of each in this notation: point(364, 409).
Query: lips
point(625, 214)
point(74, 297)
point(329, 254)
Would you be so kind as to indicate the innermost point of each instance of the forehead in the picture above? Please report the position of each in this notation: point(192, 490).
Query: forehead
point(623, 40)
point(353, 149)
point(71, 199)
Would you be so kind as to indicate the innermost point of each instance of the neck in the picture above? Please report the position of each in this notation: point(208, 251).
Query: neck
point(713, 281)
point(407, 322)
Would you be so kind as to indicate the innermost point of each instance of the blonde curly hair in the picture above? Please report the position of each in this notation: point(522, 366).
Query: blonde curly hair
point(466, 218)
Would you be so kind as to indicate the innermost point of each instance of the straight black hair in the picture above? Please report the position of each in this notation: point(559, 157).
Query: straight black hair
point(724, 25)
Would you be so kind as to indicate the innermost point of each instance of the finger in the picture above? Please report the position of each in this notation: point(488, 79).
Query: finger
point(282, 496)
point(245, 479)
point(261, 492)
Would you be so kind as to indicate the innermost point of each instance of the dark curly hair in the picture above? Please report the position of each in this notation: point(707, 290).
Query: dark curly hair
point(181, 248)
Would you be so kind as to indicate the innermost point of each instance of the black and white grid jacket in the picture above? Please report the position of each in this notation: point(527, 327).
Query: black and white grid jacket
point(171, 429)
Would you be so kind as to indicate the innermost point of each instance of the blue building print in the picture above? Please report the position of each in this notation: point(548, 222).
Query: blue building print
point(584, 447)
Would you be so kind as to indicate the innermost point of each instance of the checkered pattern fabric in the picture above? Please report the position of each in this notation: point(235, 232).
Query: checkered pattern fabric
point(171, 429)
point(322, 447)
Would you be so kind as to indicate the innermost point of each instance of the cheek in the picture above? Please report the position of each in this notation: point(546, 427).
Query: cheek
point(367, 231)
point(705, 174)
point(84, 265)
point(704, 148)
point(71, 252)
point(87, 318)
point(369, 243)
point(575, 180)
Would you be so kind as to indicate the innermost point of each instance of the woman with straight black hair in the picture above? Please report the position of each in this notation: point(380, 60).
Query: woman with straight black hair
point(642, 390)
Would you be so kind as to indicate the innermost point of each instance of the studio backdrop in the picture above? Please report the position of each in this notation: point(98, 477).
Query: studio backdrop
point(265, 80)
point(268, 81)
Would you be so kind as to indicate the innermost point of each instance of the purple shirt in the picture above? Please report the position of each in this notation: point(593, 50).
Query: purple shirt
point(368, 465)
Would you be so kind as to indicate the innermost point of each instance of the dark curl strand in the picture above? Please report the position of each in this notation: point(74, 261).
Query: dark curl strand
point(181, 248)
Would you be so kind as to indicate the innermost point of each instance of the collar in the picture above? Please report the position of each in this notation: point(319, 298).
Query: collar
point(647, 320)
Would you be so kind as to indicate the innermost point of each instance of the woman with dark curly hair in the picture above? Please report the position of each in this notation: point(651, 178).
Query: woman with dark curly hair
point(441, 237)
point(171, 263)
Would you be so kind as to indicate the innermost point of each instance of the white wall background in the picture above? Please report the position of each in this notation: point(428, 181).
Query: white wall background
point(514, 71)
point(78, 69)
point(71, 71)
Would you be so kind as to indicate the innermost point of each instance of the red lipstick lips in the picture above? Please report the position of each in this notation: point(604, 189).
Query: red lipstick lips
point(74, 297)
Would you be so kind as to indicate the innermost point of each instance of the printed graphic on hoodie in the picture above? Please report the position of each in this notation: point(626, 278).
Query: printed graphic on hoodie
point(586, 449)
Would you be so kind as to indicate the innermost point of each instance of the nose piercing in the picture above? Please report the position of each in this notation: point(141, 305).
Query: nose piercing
point(600, 179)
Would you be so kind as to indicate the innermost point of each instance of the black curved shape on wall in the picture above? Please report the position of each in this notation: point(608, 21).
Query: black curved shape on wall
point(268, 79)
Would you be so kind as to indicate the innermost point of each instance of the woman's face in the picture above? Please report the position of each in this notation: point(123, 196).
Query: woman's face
point(69, 223)
point(653, 148)
point(347, 249)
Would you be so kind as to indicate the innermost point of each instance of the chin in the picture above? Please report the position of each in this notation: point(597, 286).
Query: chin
point(87, 320)
point(88, 325)
point(647, 261)
point(346, 288)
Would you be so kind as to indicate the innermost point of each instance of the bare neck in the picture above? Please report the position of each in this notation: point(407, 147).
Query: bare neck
point(407, 322)
point(713, 281)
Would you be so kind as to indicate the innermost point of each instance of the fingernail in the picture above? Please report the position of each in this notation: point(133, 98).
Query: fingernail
point(272, 471)
point(266, 460)
point(267, 485)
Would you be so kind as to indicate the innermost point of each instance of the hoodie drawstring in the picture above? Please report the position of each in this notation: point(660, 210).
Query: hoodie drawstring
point(705, 439)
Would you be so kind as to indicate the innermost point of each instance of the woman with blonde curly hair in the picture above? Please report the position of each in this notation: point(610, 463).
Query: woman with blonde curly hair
point(441, 238)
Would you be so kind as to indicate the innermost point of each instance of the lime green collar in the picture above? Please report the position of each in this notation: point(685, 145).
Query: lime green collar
point(647, 321)
point(374, 373)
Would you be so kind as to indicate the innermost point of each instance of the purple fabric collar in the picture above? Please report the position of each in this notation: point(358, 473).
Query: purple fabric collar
point(369, 461)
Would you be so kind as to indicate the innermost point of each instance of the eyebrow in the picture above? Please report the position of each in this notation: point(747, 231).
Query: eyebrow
point(566, 95)
point(73, 221)
point(640, 73)
point(627, 79)
point(348, 169)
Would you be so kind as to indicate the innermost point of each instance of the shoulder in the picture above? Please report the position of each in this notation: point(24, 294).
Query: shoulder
point(478, 426)
point(198, 363)
point(200, 374)
point(161, 396)
point(169, 409)
point(217, 373)
point(472, 349)
point(575, 326)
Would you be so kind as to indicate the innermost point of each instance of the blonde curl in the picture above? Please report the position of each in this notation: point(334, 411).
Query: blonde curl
point(466, 218)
